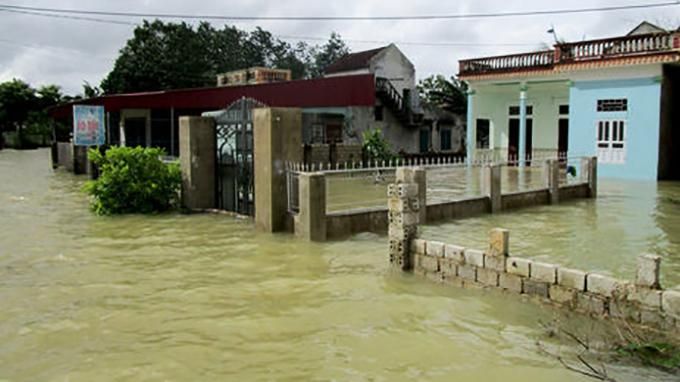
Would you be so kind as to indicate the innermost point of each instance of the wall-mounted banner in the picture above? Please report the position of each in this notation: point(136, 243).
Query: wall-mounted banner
point(88, 125)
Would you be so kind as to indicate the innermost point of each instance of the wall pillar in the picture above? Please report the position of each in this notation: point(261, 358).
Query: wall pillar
point(592, 177)
point(310, 223)
point(121, 129)
point(470, 127)
point(418, 176)
point(491, 185)
point(403, 219)
point(277, 138)
point(552, 173)
point(197, 161)
point(648, 271)
point(522, 125)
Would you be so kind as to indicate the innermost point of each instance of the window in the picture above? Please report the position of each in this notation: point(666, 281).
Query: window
point(445, 139)
point(333, 133)
point(378, 112)
point(483, 133)
point(611, 141)
point(514, 110)
point(564, 109)
point(604, 105)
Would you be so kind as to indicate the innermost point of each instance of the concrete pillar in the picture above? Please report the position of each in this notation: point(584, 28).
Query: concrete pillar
point(277, 140)
point(491, 185)
point(470, 128)
point(403, 219)
point(197, 161)
point(522, 125)
point(310, 223)
point(498, 251)
point(416, 175)
point(592, 177)
point(648, 271)
point(552, 173)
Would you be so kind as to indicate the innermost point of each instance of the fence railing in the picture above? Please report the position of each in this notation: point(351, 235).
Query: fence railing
point(533, 60)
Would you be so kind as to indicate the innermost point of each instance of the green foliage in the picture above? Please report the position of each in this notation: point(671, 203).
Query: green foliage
point(23, 108)
point(133, 180)
point(163, 56)
point(447, 94)
point(657, 354)
point(376, 146)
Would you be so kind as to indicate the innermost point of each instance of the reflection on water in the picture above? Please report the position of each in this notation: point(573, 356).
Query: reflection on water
point(203, 297)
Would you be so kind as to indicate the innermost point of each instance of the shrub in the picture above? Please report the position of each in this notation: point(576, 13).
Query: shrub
point(133, 180)
point(376, 146)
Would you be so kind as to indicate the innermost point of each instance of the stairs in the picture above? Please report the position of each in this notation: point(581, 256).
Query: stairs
point(396, 102)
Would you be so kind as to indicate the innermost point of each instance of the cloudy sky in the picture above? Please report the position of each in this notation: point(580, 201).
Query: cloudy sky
point(44, 50)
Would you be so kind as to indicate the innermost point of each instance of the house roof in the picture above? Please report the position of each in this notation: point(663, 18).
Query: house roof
point(646, 27)
point(353, 61)
point(357, 90)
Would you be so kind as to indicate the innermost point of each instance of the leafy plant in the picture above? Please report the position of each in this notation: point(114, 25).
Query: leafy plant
point(133, 180)
point(376, 146)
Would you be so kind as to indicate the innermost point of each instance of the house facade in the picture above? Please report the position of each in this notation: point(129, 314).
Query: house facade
point(614, 98)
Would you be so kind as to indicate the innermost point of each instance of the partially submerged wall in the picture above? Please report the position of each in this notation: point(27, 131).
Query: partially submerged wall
point(641, 301)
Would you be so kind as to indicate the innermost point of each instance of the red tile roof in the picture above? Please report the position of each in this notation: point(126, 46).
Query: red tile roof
point(353, 61)
point(358, 90)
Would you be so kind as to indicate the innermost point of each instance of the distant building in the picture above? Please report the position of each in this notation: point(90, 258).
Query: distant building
point(253, 76)
point(615, 98)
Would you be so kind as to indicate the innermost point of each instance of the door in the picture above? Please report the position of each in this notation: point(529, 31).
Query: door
point(513, 139)
point(563, 138)
point(424, 141)
point(135, 132)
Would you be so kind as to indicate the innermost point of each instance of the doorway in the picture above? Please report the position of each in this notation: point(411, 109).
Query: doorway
point(135, 132)
point(562, 138)
point(513, 140)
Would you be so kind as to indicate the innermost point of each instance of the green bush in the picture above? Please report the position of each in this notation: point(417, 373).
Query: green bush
point(376, 146)
point(133, 180)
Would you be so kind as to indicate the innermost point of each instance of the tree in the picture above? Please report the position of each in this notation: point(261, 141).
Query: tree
point(163, 56)
point(330, 52)
point(90, 91)
point(446, 94)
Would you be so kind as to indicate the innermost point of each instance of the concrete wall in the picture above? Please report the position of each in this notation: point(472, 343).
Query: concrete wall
point(392, 64)
point(642, 118)
point(344, 224)
point(65, 155)
point(400, 137)
point(458, 210)
point(640, 301)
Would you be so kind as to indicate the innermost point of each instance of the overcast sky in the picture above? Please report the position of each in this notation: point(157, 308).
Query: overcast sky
point(66, 52)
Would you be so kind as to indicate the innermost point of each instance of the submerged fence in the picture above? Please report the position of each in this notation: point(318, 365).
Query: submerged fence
point(354, 198)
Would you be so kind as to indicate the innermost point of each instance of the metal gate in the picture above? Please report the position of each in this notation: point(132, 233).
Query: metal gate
point(235, 174)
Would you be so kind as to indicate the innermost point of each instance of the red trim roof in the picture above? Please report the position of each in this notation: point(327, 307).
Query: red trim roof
point(340, 91)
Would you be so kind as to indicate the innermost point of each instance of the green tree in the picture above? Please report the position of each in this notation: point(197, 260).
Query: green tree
point(376, 146)
point(17, 99)
point(447, 94)
point(325, 55)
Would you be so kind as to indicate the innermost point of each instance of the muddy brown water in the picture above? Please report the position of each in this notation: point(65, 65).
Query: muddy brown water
point(177, 297)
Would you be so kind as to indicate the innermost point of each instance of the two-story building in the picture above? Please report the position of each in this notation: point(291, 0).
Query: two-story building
point(617, 98)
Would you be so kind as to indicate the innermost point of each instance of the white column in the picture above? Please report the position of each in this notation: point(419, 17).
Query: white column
point(522, 124)
point(121, 127)
point(172, 132)
point(470, 133)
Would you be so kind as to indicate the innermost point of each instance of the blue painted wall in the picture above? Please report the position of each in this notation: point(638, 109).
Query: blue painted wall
point(642, 130)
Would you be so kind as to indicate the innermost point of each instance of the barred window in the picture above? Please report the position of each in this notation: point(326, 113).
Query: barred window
point(604, 105)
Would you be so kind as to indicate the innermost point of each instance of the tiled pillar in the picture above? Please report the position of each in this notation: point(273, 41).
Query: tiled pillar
point(403, 218)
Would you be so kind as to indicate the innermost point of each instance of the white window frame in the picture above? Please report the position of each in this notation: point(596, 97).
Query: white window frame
point(610, 136)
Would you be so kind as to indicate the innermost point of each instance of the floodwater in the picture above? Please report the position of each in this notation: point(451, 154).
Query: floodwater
point(203, 297)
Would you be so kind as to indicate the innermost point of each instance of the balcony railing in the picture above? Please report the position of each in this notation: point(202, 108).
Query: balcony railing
point(626, 46)
point(615, 47)
point(511, 62)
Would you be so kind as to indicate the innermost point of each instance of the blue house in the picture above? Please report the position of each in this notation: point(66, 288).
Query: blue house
point(615, 98)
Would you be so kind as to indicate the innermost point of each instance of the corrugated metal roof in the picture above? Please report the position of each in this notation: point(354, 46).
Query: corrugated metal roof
point(358, 90)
